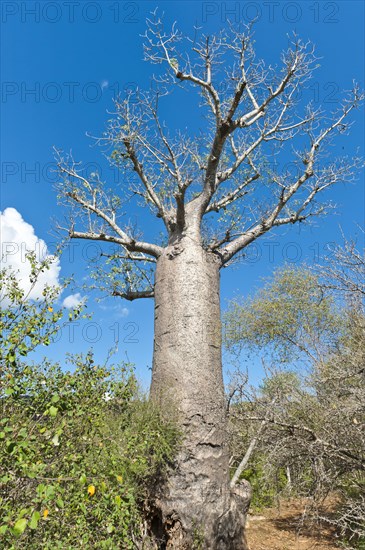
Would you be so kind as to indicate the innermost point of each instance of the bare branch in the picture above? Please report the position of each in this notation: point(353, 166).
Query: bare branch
point(138, 167)
point(322, 180)
point(242, 465)
point(134, 295)
point(130, 244)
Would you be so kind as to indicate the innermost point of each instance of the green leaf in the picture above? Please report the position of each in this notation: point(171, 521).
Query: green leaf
point(33, 524)
point(53, 411)
point(23, 433)
point(49, 491)
point(40, 489)
point(20, 526)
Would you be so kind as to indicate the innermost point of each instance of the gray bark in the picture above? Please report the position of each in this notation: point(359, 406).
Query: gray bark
point(196, 506)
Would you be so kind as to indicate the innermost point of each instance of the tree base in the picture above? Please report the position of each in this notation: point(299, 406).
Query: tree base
point(179, 525)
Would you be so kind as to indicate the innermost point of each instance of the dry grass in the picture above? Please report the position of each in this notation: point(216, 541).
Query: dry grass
point(282, 528)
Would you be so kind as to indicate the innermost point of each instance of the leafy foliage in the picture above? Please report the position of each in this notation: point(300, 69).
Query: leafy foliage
point(290, 314)
point(78, 450)
point(26, 324)
point(79, 446)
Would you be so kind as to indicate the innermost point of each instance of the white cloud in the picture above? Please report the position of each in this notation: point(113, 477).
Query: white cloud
point(124, 312)
point(116, 310)
point(17, 238)
point(73, 300)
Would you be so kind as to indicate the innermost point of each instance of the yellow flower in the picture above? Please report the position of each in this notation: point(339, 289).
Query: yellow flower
point(45, 513)
point(91, 490)
point(120, 479)
point(50, 309)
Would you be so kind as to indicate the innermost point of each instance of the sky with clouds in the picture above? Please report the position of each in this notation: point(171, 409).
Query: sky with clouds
point(18, 237)
point(62, 65)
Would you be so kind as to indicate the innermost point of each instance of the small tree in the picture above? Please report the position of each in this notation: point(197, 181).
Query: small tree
point(27, 323)
point(215, 196)
point(310, 422)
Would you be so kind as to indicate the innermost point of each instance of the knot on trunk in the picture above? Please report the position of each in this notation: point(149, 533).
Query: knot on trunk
point(175, 251)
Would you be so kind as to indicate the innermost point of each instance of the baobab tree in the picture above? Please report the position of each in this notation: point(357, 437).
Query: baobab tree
point(215, 195)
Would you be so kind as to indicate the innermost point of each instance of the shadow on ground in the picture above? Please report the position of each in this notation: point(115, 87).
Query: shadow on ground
point(282, 528)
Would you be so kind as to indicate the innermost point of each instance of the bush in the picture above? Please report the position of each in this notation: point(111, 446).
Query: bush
point(78, 452)
point(264, 492)
point(307, 421)
point(78, 447)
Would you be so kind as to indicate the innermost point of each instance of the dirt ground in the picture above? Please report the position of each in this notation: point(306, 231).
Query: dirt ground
point(277, 529)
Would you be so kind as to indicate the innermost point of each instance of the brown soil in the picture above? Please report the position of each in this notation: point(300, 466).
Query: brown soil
point(282, 528)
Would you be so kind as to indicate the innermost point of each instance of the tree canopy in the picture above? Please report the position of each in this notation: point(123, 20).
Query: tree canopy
point(224, 185)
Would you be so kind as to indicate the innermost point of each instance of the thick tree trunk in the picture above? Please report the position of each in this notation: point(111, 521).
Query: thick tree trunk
point(196, 508)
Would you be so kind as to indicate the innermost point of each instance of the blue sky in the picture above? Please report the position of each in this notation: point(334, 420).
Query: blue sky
point(62, 64)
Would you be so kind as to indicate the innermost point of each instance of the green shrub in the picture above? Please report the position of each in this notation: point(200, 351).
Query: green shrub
point(264, 491)
point(78, 447)
point(78, 450)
